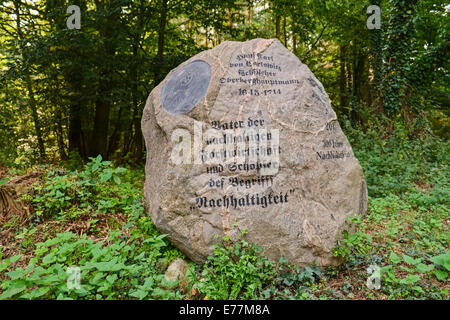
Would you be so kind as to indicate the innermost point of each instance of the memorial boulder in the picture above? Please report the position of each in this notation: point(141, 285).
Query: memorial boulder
point(243, 137)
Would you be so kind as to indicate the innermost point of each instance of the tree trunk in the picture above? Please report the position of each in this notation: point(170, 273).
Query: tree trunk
point(75, 131)
point(342, 78)
point(115, 137)
point(59, 135)
point(159, 60)
point(162, 27)
point(277, 27)
point(32, 100)
point(138, 139)
point(358, 80)
point(294, 36)
point(99, 139)
point(35, 116)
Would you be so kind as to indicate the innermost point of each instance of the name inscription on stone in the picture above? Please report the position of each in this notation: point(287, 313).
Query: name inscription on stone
point(257, 70)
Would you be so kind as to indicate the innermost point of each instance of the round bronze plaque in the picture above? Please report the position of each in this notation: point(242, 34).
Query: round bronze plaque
point(186, 87)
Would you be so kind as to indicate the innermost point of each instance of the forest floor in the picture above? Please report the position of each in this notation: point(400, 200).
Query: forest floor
point(55, 221)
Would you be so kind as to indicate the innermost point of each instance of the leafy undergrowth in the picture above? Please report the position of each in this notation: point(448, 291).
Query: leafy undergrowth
point(92, 221)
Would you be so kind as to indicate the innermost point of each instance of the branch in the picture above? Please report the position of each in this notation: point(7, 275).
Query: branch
point(174, 5)
point(317, 40)
point(8, 32)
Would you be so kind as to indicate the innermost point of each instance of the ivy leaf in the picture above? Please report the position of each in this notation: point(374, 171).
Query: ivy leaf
point(13, 290)
point(39, 292)
point(48, 259)
point(418, 289)
point(410, 279)
point(48, 280)
point(109, 265)
point(410, 260)
point(62, 297)
point(394, 258)
point(3, 181)
point(283, 260)
point(111, 278)
point(442, 260)
point(104, 177)
point(7, 262)
point(4, 266)
point(16, 274)
point(140, 294)
point(440, 275)
point(423, 268)
point(148, 284)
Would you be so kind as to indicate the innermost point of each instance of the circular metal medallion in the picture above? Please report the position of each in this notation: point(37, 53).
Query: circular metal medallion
point(186, 87)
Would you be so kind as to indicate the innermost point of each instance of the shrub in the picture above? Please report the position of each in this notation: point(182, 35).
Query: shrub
point(235, 270)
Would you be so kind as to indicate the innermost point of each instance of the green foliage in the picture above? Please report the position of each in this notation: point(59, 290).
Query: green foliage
point(117, 268)
point(94, 188)
point(294, 283)
point(3, 181)
point(357, 243)
point(397, 163)
point(129, 263)
point(408, 238)
point(443, 263)
point(405, 232)
point(235, 270)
